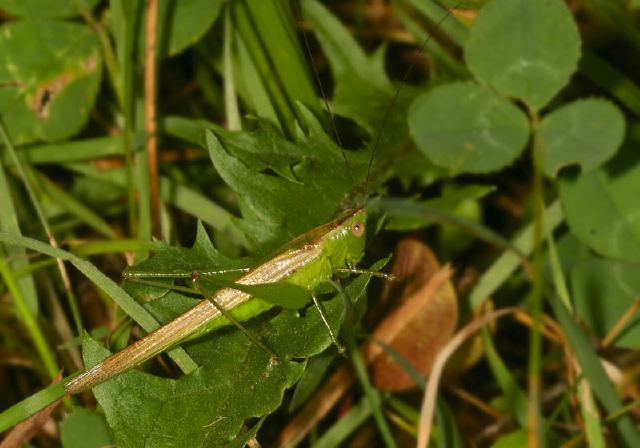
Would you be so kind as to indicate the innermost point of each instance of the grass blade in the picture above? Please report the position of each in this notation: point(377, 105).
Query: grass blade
point(124, 300)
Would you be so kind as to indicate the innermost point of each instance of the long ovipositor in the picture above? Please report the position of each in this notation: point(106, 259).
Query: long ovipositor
point(306, 261)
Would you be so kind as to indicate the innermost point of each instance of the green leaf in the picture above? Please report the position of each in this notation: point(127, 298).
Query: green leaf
point(516, 439)
point(603, 290)
point(185, 22)
point(449, 434)
point(276, 208)
point(411, 215)
point(526, 49)
point(201, 257)
point(46, 9)
point(507, 264)
point(72, 205)
point(586, 132)
point(237, 380)
point(208, 405)
point(311, 379)
point(415, 168)
point(363, 91)
point(602, 207)
point(50, 76)
point(467, 128)
point(571, 251)
point(85, 429)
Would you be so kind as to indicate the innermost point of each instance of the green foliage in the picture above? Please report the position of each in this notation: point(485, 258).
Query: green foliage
point(525, 49)
point(311, 172)
point(586, 133)
point(85, 429)
point(48, 90)
point(183, 23)
point(602, 207)
point(467, 128)
point(525, 120)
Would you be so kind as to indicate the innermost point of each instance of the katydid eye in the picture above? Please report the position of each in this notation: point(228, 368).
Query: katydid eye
point(357, 228)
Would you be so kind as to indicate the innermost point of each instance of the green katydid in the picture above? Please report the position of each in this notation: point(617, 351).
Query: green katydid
point(306, 261)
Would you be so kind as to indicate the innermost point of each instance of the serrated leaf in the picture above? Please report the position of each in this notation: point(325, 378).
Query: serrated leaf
point(50, 75)
point(586, 133)
point(237, 380)
point(275, 153)
point(603, 290)
point(526, 49)
point(466, 128)
point(171, 262)
point(602, 207)
point(201, 257)
point(277, 208)
point(208, 405)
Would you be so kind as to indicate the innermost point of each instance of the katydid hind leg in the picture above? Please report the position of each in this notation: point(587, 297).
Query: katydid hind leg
point(252, 337)
point(348, 310)
point(323, 316)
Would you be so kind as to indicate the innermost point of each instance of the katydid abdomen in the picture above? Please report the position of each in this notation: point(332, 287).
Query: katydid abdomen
point(307, 261)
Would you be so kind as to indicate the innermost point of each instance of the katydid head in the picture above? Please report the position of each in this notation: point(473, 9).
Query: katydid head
point(345, 242)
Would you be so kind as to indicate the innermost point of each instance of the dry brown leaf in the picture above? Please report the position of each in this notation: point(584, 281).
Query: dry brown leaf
point(423, 321)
